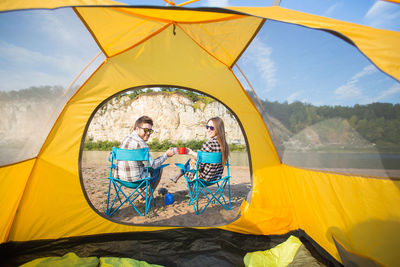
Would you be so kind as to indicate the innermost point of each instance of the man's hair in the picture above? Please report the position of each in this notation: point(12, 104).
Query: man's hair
point(144, 119)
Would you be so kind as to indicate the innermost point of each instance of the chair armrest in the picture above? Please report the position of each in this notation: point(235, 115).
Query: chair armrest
point(181, 166)
point(163, 166)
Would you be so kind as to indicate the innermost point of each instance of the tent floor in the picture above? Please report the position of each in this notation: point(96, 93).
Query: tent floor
point(176, 247)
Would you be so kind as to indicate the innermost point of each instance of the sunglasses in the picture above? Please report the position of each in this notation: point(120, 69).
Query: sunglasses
point(147, 130)
point(210, 127)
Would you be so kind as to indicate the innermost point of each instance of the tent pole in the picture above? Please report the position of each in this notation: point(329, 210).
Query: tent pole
point(276, 2)
point(169, 2)
point(259, 101)
point(188, 2)
point(76, 78)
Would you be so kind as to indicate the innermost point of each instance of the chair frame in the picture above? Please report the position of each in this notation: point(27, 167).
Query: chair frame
point(142, 188)
point(199, 186)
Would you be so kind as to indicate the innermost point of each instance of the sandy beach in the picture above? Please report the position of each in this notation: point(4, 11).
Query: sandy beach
point(179, 213)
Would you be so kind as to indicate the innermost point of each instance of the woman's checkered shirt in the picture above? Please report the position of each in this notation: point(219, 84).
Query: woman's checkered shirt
point(209, 171)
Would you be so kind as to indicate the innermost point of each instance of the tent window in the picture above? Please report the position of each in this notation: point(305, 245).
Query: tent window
point(325, 104)
point(178, 122)
point(41, 52)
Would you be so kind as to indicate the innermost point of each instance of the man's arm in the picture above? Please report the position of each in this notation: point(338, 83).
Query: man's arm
point(155, 163)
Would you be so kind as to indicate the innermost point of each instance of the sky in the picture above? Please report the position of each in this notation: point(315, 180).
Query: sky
point(284, 63)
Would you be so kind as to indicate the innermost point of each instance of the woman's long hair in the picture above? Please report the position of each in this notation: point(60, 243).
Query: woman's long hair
point(220, 132)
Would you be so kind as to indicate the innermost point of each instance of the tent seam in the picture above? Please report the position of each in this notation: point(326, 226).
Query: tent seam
point(258, 112)
point(7, 236)
point(123, 10)
point(90, 31)
point(143, 40)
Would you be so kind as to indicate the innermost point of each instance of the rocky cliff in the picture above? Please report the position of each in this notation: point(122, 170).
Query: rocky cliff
point(175, 118)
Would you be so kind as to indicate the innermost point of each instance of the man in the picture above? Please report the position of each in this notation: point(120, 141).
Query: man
point(135, 170)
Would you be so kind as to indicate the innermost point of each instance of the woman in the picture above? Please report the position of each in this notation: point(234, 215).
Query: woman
point(216, 143)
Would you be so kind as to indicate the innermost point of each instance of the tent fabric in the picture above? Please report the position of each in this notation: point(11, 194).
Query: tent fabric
point(8, 5)
point(59, 156)
point(125, 262)
point(280, 256)
point(327, 203)
point(184, 54)
point(351, 259)
point(13, 181)
point(174, 247)
point(222, 35)
point(69, 259)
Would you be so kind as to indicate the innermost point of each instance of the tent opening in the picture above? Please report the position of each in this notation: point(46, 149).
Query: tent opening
point(179, 117)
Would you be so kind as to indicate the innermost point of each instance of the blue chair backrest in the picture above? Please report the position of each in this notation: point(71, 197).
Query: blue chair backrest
point(141, 154)
point(209, 157)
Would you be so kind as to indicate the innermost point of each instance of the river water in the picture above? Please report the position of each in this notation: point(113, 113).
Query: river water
point(389, 161)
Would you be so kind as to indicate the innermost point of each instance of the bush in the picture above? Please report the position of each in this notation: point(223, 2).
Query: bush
point(237, 147)
point(157, 145)
point(100, 145)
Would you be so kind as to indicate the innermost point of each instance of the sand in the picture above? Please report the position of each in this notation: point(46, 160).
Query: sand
point(179, 213)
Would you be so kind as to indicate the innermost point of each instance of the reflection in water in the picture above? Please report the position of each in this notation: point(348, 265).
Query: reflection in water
point(342, 160)
point(235, 159)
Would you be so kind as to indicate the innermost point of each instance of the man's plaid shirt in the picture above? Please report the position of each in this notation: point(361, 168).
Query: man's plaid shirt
point(135, 170)
point(209, 171)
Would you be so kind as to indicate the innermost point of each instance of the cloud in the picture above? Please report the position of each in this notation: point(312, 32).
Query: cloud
point(22, 68)
point(350, 89)
point(217, 3)
point(293, 97)
point(395, 89)
point(331, 9)
point(61, 27)
point(367, 70)
point(260, 56)
point(25, 58)
point(383, 15)
point(19, 55)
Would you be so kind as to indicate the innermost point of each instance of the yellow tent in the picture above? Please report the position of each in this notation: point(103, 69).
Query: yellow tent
point(42, 198)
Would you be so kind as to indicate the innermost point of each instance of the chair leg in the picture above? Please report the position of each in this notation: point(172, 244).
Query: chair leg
point(108, 196)
point(210, 199)
point(221, 191)
point(149, 197)
point(117, 189)
point(217, 196)
point(127, 199)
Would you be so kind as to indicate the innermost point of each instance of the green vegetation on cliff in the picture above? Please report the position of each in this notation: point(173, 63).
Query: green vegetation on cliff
point(195, 97)
point(157, 145)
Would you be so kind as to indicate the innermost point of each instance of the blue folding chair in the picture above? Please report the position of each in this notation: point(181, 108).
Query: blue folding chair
point(141, 188)
point(198, 187)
